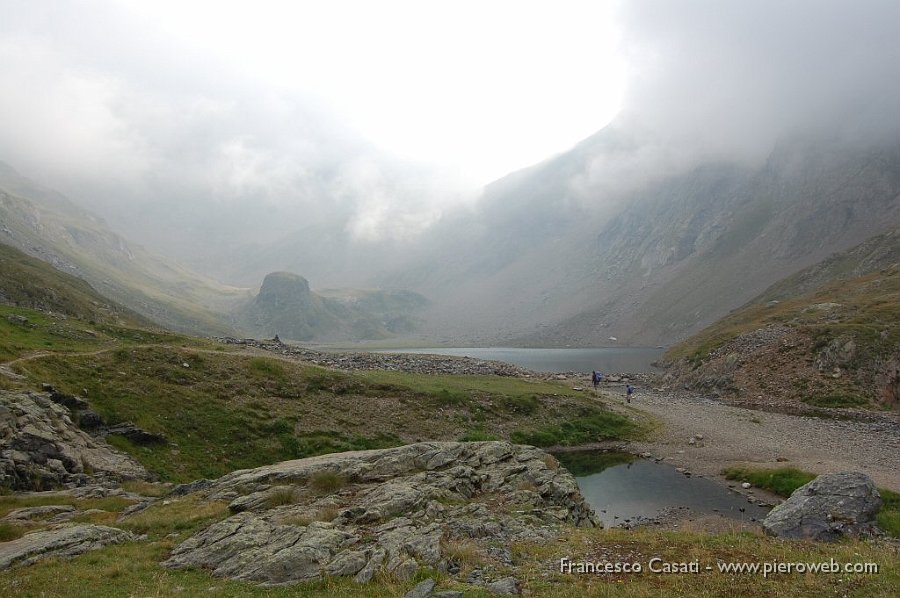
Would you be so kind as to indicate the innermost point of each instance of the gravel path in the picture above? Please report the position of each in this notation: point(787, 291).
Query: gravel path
point(735, 436)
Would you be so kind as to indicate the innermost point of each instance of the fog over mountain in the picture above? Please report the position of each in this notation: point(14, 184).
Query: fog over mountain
point(735, 119)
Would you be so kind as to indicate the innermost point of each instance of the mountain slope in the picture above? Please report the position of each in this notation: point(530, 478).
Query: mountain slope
point(547, 258)
point(44, 224)
point(826, 336)
point(31, 283)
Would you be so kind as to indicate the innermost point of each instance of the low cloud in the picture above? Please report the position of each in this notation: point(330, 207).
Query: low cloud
point(726, 81)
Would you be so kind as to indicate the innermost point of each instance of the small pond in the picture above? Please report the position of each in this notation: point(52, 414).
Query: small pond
point(624, 489)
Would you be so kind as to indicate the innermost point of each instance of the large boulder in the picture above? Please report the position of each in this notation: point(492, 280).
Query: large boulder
point(41, 447)
point(826, 508)
point(351, 514)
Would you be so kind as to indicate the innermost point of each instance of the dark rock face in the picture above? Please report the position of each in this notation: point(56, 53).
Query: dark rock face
point(826, 508)
point(285, 306)
point(67, 400)
point(135, 434)
point(43, 448)
point(351, 514)
point(283, 286)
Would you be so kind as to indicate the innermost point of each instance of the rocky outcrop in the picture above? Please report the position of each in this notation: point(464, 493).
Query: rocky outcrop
point(61, 542)
point(826, 508)
point(352, 514)
point(40, 447)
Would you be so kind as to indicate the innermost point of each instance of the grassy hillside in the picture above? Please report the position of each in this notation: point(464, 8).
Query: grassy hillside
point(828, 336)
point(29, 282)
point(47, 226)
point(221, 409)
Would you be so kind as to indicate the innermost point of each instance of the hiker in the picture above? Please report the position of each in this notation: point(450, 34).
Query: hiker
point(596, 377)
point(629, 390)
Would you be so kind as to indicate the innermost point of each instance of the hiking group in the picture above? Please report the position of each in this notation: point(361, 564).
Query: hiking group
point(597, 378)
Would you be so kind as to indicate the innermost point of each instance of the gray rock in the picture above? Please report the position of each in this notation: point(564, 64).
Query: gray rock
point(195, 486)
point(347, 563)
point(389, 511)
point(253, 548)
point(422, 590)
point(447, 594)
point(405, 569)
point(826, 508)
point(43, 448)
point(63, 542)
point(36, 512)
point(368, 572)
point(506, 586)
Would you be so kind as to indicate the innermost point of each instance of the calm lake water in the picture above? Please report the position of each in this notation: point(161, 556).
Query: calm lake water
point(621, 487)
point(605, 359)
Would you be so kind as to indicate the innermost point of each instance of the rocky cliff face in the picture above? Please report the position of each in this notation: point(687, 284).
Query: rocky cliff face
point(43, 448)
point(399, 509)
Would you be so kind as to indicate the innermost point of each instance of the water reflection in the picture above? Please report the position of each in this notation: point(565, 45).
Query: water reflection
point(624, 489)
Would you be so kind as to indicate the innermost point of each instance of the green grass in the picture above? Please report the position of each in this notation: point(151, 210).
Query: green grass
point(478, 435)
point(889, 517)
point(590, 425)
point(326, 482)
point(133, 570)
point(834, 400)
point(181, 516)
point(11, 502)
point(222, 411)
point(46, 333)
point(9, 532)
point(785, 480)
point(31, 283)
point(782, 481)
point(868, 314)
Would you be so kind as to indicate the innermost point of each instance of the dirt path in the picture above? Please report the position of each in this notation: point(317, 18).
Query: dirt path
point(736, 436)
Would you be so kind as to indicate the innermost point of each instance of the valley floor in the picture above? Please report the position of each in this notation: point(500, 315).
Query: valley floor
point(737, 436)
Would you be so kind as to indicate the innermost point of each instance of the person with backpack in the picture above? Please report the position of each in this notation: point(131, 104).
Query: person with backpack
point(629, 390)
point(596, 377)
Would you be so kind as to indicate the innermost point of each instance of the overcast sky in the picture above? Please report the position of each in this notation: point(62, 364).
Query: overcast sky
point(389, 110)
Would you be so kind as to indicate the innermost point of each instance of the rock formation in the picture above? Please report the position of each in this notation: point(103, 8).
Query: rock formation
point(826, 508)
point(352, 514)
point(60, 542)
point(40, 447)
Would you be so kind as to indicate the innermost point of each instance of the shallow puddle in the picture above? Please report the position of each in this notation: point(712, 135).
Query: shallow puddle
point(625, 490)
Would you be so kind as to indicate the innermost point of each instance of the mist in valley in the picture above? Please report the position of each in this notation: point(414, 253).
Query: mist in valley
point(722, 146)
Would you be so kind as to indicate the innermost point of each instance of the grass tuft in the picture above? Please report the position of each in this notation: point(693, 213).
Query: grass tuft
point(326, 482)
point(782, 481)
